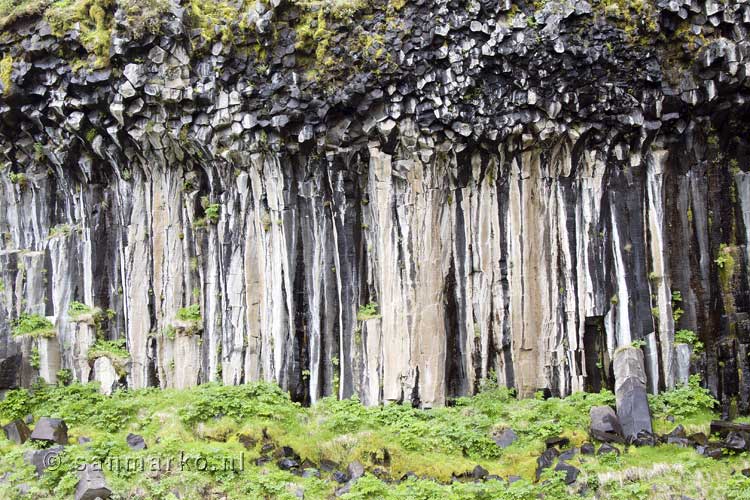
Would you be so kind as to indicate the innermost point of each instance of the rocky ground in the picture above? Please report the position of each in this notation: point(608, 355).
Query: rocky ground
point(251, 441)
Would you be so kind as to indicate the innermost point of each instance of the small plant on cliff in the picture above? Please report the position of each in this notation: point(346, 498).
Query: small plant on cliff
point(368, 311)
point(688, 337)
point(20, 180)
point(114, 350)
point(190, 313)
point(33, 325)
point(725, 262)
point(64, 377)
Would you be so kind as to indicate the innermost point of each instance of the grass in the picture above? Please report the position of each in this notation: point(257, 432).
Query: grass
point(209, 424)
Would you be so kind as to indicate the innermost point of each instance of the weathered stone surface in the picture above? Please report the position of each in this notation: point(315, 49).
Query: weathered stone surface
point(106, 374)
point(43, 459)
point(53, 430)
point(506, 438)
point(136, 442)
point(605, 426)
point(509, 207)
point(571, 473)
point(10, 371)
point(17, 431)
point(91, 484)
point(633, 411)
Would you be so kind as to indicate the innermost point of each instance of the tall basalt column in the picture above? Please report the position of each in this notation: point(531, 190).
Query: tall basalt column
point(630, 391)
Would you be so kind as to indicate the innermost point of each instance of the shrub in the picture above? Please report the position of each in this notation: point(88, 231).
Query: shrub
point(77, 309)
point(683, 401)
point(33, 325)
point(16, 404)
point(688, 337)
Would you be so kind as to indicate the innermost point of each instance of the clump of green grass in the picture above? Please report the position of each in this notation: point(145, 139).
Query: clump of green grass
point(690, 338)
point(33, 325)
point(368, 311)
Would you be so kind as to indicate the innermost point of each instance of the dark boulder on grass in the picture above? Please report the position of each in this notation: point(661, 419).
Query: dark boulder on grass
point(571, 473)
point(545, 461)
point(605, 426)
point(136, 442)
point(339, 477)
point(356, 470)
point(288, 464)
point(607, 448)
point(506, 438)
point(630, 391)
point(479, 472)
point(724, 427)
point(43, 459)
point(17, 431)
point(51, 430)
point(91, 484)
point(587, 449)
point(558, 442)
point(737, 441)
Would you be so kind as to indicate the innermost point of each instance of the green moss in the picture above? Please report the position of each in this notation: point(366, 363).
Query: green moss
point(726, 264)
point(19, 179)
point(6, 70)
point(94, 19)
point(33, 325)
point(13, 10)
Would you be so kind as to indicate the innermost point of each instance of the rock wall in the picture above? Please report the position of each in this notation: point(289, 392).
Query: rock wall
point(516, 191)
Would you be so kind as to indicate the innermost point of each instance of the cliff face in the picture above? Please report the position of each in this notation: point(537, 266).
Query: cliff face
point(396, 206)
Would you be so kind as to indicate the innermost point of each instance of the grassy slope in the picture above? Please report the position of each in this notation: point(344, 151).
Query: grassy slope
point(207, 421)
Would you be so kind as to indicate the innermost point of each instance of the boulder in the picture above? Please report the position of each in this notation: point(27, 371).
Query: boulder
point(587, 449)
point(545, 461)
point(17, 431)
point(287, 464)
point(737, 441)
point(724, 427)
point(91, 484)
point(571, 473)
point(52, 430)
point(506, 438)
point(356, 470)
point(630, 391)
point(556, 442)
point(607, 448)
point(479, 472)
point(605, 426)
point(136, 442)
point(42, 459)
point(678, 436)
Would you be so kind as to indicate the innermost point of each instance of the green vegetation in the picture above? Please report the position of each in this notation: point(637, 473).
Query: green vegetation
point(368, 311)
point(230, 424)
point(725, 262)
point(212, 213)
point(33, 325)
point(6, 69)
point(190, 313)
point(115, 350)
point(19, 179)
point(689, 400)
point(688, 337)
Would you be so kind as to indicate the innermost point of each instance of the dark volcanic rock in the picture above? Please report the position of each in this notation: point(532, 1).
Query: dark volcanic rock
point(42, 459)
point(506, 438)
point(52, 430)
point(17, 431)
point(91, 484)
point(605, 426)
point(136, 442)
point(571, 473)
point(546, 460)
point(607, 448)
point(587, 449)
point(630, 389)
